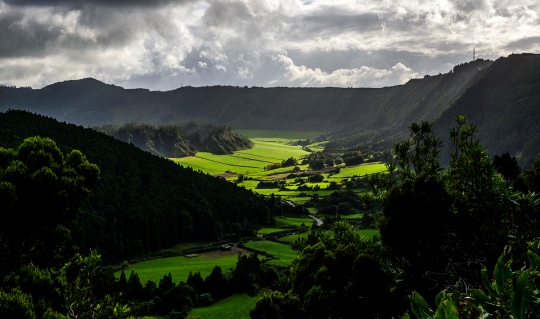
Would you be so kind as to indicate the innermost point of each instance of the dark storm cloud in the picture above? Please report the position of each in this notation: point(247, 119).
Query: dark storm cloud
point(28, 36)
point(524, 44)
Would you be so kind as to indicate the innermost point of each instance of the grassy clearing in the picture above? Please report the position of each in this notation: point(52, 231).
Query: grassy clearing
point(361, 170)
point(268, 230)
point(359, 215)
point(291, 238)
point(292, 221)
point(247, 162)
point(284, 252)
point(285, 134)
point(235, 307)
point(179, 267)
point(368, 233)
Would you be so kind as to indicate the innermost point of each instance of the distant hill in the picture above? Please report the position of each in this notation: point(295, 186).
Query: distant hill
point(500, 96)
point(142, 203)
point(89, 102)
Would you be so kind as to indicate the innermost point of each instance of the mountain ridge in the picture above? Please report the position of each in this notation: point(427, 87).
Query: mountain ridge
point(355, 118)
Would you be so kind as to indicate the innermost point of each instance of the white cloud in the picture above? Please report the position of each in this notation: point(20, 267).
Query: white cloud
point(159, 44)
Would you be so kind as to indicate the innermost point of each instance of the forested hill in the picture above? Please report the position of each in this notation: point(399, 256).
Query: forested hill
point(92, 103)
point(142, 202)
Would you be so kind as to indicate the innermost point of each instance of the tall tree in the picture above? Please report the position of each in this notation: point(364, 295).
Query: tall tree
point(41, 190)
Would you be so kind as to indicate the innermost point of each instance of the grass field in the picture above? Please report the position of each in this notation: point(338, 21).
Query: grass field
point(293, 221)
point(272, 147)
point(291, 238)
point(361, 170)
point(283, 134)
point(245, 162)
point(285, 253)
point(179, 267)
point(368, 233)
point(235, 307)
point(268, 230)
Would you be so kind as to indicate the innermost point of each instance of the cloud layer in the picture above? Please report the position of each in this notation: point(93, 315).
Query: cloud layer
point(164, 44)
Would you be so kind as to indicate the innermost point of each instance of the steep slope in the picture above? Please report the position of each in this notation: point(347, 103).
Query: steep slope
point(418, 99)
point(141, 202)
point(505, 105)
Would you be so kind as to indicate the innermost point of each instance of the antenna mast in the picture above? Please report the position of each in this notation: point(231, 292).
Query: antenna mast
point(473, 53)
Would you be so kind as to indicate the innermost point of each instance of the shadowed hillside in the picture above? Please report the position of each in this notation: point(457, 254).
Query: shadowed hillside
point(141, 202)
point(91, 103)
point(505, 105)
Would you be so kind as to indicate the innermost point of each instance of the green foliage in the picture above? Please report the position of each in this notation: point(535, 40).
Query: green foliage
point(275, 304)
point(16, 304)
point(440, 225)
point(509, 294)
point(83, 299)
point(336, 273)
point(42, 191)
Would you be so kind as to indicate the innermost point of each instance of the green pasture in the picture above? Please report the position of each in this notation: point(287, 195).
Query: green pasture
point(247, 162)
point(268, 230)
point(361, 170)
point(284, 252)
point(291, 238)
point(179, 267)
point(368, 233)
point(359, 215)
point(284, 134)
point(292, 221)
point(317, 147)
point(234, 307)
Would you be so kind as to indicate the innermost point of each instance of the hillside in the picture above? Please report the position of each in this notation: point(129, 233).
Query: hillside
point(142, 202)
point(505, 105)
point(92, 103)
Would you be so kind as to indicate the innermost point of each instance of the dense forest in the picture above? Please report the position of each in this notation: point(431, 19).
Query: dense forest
point(444, 231)
point(141, 202)
point(179, 140)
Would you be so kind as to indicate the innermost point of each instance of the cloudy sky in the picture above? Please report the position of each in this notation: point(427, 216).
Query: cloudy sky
point(163, 44)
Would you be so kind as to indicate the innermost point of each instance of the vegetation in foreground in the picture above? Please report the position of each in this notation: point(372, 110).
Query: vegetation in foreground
point(438, 227)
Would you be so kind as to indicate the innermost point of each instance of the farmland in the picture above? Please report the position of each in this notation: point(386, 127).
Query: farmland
point(235, 307)
point(283, 253)
point(180, 266)
point(249, 167)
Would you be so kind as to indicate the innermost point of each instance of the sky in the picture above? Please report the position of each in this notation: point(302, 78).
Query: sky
point(165, 44)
